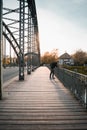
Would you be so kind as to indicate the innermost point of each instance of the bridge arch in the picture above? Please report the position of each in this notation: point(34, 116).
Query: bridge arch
point(32, 33)
point(15, 48)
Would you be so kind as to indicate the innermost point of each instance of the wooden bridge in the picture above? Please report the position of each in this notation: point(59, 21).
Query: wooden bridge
point(39, 103)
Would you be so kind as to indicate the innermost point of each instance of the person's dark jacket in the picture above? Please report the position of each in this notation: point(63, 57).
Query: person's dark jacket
point(53, 65)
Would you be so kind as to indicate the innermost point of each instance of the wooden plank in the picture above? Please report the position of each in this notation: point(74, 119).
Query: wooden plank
point(39, 103)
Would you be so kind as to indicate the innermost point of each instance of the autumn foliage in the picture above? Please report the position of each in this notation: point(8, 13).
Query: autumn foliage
point(80, 57)
point(49, 57)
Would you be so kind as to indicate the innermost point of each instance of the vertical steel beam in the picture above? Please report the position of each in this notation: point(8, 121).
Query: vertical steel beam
point(1, 4)
point(33, 45)
point(29, 44)
point(21, 39)
point(10, 55)
point(33, 42)
point(4, 49)
point(38, 46)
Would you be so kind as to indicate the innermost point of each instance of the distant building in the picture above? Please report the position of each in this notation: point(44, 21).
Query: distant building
point(66, 59)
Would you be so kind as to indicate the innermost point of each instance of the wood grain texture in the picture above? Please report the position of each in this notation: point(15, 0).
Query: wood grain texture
point(39, 103)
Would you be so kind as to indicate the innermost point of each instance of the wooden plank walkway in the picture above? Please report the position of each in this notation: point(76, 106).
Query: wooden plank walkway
point(39, 103)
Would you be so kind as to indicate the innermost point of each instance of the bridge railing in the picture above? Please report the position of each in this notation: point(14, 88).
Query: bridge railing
point(75, 82)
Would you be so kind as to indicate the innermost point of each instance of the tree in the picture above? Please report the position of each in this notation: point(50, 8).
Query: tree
point(80, 57)
point(49, 57)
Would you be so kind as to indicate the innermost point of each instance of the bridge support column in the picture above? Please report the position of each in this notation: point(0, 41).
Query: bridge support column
point(1, 3)
point(21, 39)
point(29, 43)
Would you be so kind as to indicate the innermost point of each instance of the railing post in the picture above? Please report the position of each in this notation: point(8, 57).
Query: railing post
point(86, 96)
point(1, 3)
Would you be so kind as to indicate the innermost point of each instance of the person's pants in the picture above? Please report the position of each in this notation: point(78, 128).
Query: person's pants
point(52, 73)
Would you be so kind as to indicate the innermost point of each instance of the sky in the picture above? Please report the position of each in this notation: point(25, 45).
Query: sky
point(62, 24)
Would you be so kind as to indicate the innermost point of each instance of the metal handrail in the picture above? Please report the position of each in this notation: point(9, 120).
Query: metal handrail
point(75, 82)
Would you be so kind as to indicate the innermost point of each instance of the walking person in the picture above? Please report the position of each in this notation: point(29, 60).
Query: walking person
point(52, 67)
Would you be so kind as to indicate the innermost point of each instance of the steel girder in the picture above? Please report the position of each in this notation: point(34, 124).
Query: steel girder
point(1, 4)
point(15, 46)
point(21, 39)
point(32, 34)
point(29, 55)
point(33, 50)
